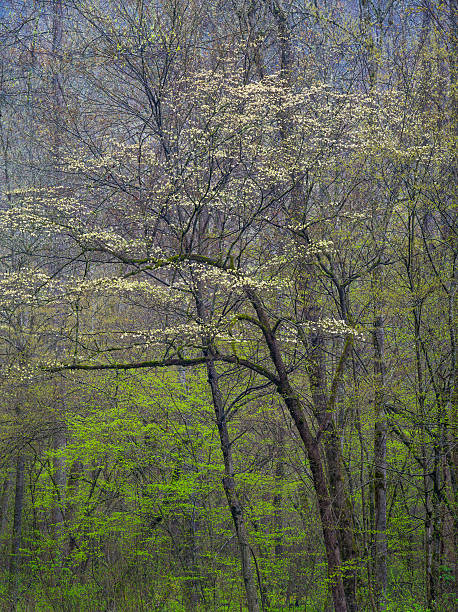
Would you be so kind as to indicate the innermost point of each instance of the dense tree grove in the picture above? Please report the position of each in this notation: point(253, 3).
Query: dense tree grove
point(228, 305)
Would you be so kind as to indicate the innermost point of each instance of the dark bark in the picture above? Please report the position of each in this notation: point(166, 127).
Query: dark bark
point(380, 466)
point(229, 484)
point(230, 489)
point(59, 479)
point(4, 503)
point(16, 538)
point(454, 468)
point(73, 481)
point(313, 450)
point(324, 410)
point(278, 498)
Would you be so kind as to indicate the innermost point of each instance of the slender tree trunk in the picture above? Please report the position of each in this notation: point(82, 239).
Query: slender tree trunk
point(328, 521)
point(380, 466)
point(59, 438)
point(192, 585)
point(454, 465)
point(16, 538)
point(57, 30)
point(344, 516)
point(428, 545)
point(452, 456)
point(278, 498)
point(229, 484)
point(328, 518)
point(59, 477)
point(74, 476)
point(230, 489)
point(372, 44)
point(427, 481)
point(4, 503)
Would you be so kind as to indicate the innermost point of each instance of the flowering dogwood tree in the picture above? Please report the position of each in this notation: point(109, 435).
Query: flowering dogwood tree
point(237, 216)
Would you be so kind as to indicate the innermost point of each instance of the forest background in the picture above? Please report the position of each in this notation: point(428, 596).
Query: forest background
point(228, 305)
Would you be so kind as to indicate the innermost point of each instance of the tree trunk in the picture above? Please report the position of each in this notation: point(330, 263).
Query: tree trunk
point(59, 478)
point(380, 463)
point(328, 521)
point(278, 498)
point(17, 531)
point(454, 465)
point(344, 516)
point(190, 549)
point(74, 476)
point(4, 503)
point(312, 447)
point(59, 438)
point(331, 443)
point(17, 516)
point(231, 490)
point(229, 484)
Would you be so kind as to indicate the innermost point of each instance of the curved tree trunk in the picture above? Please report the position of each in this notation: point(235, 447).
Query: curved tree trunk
point(229, 484)
point(230, 490)
point(314, 454)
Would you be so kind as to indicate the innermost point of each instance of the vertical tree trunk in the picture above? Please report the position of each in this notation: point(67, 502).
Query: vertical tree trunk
point(59, 477)
point(344, 516)
point(378, 338)
point(454, 465)
point(192, 583)
point(336, 477)
point(57, 29)
point(380, 465)
point(328, 517)
point(190, 549)
point(17, 531)
point(427, 480)
point(230, 489)
point(278, 498)
point(4, 503)
point(229, 484)
point(328, 520)
point(453, 409)
point(59, 438)
point(74, 476)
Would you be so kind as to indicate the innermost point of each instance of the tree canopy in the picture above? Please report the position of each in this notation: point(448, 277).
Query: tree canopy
point(228, 305)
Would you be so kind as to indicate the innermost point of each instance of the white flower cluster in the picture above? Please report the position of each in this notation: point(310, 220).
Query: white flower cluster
point(294, 253)
point(108, 239)
point(115, 152)
point(42, 214)
point(25, 218)
point(354, 216)
point(19, 374)
point(297, 227)
point(191, 333)
point(183, 332)
point(111, 286)
point(320, 247)
point(334, 327)
point(23, 286)
point(236, 281)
